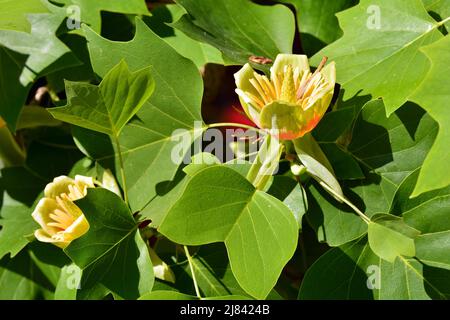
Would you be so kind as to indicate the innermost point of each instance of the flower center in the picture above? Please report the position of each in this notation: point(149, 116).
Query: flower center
point(292, 86)
point(61, 216)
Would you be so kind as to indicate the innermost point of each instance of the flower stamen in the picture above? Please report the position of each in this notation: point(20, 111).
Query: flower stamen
point(302, 89)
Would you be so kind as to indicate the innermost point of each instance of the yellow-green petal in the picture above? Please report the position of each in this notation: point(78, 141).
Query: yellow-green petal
point(289, 119)
point(329, 73)
point(322, 101)
point(59, 186)
point(76, 229)
point(71, 208)
point(243, 85)
point(299, 61)
point(41, 214)
point(84, 182)
point(43, 236)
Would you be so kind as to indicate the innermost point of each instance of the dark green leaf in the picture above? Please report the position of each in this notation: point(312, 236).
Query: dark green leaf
point(317, 22)
point(90, 11)
point(147, 140)
point(200, 53)
point(41, 52)
point(429, 214)
point(112, 251)
point(239, 28)
point(212, 272)
point(353, 271)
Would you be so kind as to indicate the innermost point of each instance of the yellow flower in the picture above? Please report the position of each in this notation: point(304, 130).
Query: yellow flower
point(292, 101)
point(60, 219)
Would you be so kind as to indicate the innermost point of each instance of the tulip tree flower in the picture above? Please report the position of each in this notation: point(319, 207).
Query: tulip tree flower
point(60, 219)
point(292, 101)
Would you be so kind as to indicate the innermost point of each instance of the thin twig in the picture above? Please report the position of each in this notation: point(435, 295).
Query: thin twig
point(346, 201)
point(191, 266)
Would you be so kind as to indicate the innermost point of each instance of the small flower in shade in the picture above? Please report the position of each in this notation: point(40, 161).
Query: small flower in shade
point(60, 219)
point(292, 101)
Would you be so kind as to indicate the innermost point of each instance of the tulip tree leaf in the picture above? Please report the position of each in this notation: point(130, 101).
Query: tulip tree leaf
point(390, 237)
point(348, 280)
point(112, 252)
point(212, 271)
point(108, 107)
point(238, 28)
point(17, 224)
point(379, 53)
point(345, 166)
point(433, 249)
point(147, 141)
point(68, 282)
point(69, 286)
point(13, 93)
point(440, 8)
point(317, 22)
point(14, 14)
point(21, 279)
point(427, 213)
point(329, 134)
point(292, 194)
point(25, 55)
point(32, 117)
point(200, 53)
point(360, 274)
point(388, 150)
point(41, 44)
point(170, 192)
point(90, 11)
point(433, 96)
point(260, 232)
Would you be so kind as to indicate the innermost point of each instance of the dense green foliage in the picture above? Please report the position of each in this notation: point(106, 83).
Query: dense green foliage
point(357, 209)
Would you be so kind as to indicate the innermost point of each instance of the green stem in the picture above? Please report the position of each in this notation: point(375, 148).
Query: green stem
point(443, 22)
point(239, 125)
point(122, 168)
point(346, 201)
point(244, 156)
point(191, 266)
